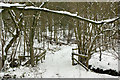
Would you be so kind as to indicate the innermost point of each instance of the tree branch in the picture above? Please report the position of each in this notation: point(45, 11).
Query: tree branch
point(70, 15)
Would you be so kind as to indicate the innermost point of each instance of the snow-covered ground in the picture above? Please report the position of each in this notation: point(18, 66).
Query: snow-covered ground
point(109, 60)
point(58, 64)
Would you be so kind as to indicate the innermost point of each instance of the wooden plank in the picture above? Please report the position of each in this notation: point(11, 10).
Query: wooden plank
point(37, 48)
point(23, 56)
point(41, 54)
point(41, 57)
point(74, 48)
point(80, 55)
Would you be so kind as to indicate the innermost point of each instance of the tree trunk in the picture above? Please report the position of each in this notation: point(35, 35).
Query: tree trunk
point(31, 47)
point(12, 41)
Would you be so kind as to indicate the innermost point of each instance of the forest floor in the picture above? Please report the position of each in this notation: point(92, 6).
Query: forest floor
point(58, 64)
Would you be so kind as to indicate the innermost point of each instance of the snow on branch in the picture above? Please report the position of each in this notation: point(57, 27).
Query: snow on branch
point(70, 14)
point(42, 5)
point(22, 6)
point(11, 5)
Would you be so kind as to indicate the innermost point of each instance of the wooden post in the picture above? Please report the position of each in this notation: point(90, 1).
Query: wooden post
point(41, 60)
point(24, 44)
point(39, 50)
point(20, 62)
point(0, 63)
point(36, 51)
point(72, 59)
point(44, 57)
point(36, 59)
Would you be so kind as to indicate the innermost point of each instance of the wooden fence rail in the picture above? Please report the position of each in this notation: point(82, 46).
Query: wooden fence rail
point(38, 57)
point(78, 62)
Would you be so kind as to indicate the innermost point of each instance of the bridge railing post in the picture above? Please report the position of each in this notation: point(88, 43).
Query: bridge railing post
point(72, 58)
